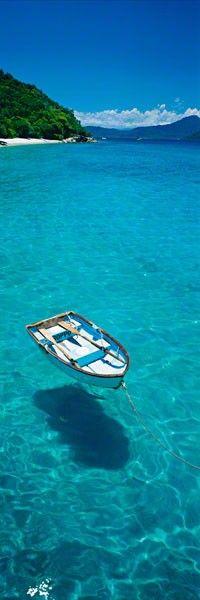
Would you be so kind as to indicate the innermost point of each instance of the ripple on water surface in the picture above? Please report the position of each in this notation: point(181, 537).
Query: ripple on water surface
point(91, 508)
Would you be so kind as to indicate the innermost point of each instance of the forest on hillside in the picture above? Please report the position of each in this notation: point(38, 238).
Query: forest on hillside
point(26, 112)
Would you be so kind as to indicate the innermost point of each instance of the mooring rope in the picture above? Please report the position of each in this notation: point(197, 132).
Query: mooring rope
point(153, 435)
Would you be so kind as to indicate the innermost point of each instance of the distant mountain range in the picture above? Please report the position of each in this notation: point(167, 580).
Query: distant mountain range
point(187, 128)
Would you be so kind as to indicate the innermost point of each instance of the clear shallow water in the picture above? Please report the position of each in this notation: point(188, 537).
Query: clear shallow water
point(90, 506)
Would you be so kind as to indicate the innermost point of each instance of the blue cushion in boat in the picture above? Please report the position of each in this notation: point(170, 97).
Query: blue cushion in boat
point(90, 358)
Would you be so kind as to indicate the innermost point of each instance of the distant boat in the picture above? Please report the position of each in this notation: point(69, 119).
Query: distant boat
point(84, 350)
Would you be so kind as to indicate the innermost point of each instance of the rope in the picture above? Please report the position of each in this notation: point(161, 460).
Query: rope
point(153, 435)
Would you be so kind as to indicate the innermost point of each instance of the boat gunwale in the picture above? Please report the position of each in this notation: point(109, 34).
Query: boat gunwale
point(74, 366)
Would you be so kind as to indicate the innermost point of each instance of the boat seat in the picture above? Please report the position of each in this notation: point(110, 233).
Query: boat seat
point(90, 358)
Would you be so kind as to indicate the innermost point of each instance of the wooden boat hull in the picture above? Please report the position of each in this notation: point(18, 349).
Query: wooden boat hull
point(83, 378)
point(88, 354)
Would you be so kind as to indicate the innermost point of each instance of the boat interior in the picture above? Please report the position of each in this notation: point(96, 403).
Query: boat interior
point(81, 344)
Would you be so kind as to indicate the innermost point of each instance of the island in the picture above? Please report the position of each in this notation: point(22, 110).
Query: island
point(185, 129)
point(27, 115)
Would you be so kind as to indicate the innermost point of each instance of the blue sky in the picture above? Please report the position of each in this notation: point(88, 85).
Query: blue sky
point(114, 62)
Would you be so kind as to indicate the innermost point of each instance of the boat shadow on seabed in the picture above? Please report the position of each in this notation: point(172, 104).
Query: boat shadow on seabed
point(96, 439)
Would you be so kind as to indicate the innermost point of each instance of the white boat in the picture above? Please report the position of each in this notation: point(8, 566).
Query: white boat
point(84, 350)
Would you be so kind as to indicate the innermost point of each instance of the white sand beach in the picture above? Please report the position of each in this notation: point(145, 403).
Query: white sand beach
point(26, 141)
point(4, 142)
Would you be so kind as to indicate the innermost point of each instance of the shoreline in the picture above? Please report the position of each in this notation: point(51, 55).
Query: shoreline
point(25, 141)
point(6, 142)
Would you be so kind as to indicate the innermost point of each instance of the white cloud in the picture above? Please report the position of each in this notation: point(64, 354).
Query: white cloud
point(125, 119)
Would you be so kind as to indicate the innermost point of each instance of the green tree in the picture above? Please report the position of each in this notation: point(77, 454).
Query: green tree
point(23, 128)
point(25, 111)
point(3, 130)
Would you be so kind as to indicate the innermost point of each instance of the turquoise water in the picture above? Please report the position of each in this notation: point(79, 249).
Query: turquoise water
point(91, 507)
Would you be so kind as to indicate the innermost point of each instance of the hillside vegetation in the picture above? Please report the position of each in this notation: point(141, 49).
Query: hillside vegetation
point(25, 111)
